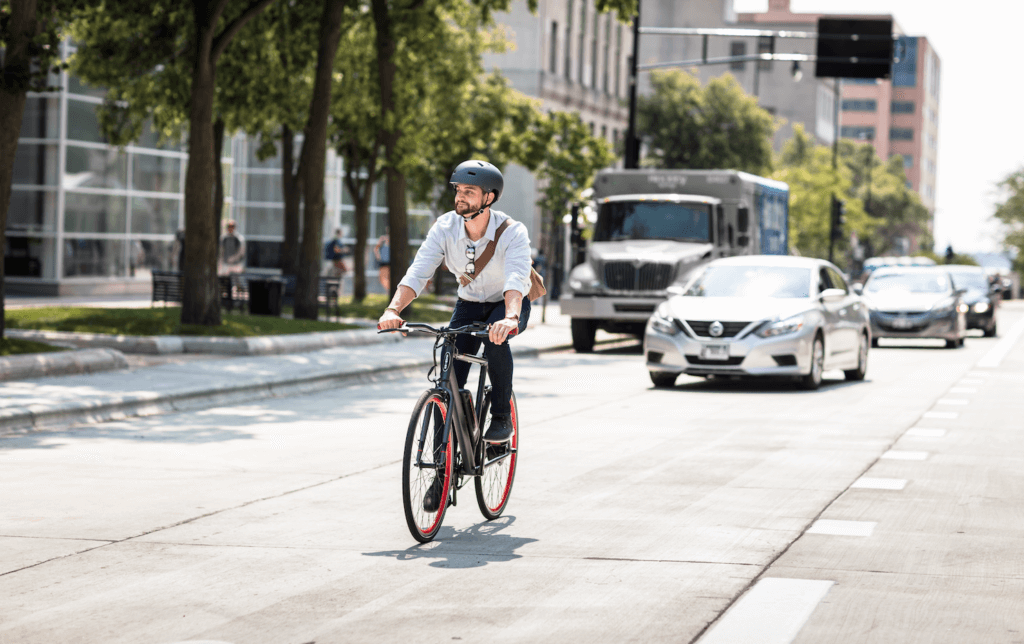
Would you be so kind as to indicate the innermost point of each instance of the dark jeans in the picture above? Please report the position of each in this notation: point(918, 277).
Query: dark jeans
point(499, 357)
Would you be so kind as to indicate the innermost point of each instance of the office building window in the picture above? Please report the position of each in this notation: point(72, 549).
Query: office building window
point(593, 57)
point(553, 54)
point(857, 132)
point(737, 48)
point(860, 105)
point(908, 161)
point(607, 55)
point(567, 70)
point(618, 61)
point(765, 45)
point(903, 107)
point(901, 134)
point(583, 43)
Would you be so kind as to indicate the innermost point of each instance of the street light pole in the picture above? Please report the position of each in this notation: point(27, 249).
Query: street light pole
point(632, 151)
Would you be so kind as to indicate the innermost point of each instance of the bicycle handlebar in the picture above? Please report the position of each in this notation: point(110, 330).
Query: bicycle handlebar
point(477, 329)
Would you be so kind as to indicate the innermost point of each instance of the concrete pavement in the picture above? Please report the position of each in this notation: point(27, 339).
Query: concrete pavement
point(363, 356)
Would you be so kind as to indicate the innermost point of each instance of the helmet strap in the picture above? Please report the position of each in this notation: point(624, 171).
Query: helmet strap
point(478, 212)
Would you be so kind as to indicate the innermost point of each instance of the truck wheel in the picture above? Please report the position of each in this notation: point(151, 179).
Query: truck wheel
point(583, 332)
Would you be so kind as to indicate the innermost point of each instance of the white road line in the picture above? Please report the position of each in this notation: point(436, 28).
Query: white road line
point(905, 455)
point(772, 612)
point(962, 390)
point(996, 354)
point(922, 432)
point(842, 528)
point(868, 483)
point(952, 401)
point(948, 415)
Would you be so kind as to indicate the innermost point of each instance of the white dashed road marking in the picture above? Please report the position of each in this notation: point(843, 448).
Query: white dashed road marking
point(921, 432)
point(869, 483)
point(963, 390)
point(947, 415)
point(843, 528)
point(996, 354)
point(772, 612)
point(905, 455)
point(952, 401)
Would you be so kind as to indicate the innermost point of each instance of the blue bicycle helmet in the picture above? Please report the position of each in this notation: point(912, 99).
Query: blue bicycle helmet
point(482, 174)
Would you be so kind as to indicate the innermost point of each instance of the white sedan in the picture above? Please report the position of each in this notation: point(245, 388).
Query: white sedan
point(760, 315)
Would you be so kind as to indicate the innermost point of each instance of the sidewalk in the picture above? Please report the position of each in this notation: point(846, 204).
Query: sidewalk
point(28, 405)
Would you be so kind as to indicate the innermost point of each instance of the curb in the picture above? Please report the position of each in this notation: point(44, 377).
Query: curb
point(36, 417)
point(65, 363)
point(255, 346)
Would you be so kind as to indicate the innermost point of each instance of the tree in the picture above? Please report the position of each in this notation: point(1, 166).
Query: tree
point(807, 168)
point(717, 126)
point(30, 35)
point(1010, 212)
point(141, 49)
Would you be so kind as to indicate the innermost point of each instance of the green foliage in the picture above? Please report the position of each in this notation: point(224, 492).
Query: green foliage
point(43, 49)
point(12, 347)
point(686, 126)
point(1010, 212)
point(808, 170)
point(162, 321)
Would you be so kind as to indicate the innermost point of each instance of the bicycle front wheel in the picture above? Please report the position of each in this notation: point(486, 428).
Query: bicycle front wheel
point(426, 468)
point(494, 485)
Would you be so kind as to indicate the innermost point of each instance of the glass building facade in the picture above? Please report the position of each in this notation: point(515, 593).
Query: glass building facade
point(88, 217)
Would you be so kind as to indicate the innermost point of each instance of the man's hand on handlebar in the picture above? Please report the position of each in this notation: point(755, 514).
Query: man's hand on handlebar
point(502, 329)
point(390, 320)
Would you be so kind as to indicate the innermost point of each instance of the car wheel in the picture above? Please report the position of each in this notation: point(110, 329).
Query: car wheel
point(952, 344)
point(874, 343)
point(862, 361)
point(664, 379)
point(583, 332)
point(991, 331)
point(813, 379)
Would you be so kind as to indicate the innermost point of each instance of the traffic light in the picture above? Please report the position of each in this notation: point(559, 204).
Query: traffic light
point(838, 218)
point(854, 48)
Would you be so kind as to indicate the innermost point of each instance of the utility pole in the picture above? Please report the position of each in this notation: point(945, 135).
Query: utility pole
point(632, 152)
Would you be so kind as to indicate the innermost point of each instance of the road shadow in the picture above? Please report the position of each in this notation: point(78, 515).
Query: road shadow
point(759, 385)
point(470, 548)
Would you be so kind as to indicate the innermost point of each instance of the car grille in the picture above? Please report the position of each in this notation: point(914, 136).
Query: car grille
point(914, 321)
point(627, 276)
point(730, 362)
point(730, 328)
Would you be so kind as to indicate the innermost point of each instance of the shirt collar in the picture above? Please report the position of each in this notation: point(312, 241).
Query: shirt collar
point(492, 227)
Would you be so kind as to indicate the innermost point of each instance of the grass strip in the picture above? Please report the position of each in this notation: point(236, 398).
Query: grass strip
point(13, 347)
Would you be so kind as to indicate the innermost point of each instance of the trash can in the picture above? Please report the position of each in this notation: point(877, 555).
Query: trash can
point(266, 296)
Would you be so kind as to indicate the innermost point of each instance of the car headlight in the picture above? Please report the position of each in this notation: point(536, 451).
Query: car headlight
point(782, 327)
point(981, 307)
point(662, 320)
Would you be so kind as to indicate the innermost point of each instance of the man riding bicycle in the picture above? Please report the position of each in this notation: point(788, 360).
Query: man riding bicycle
point(495, 294)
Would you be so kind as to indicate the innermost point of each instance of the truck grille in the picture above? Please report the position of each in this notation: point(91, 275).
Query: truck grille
point(730, 329)
point(627, 276)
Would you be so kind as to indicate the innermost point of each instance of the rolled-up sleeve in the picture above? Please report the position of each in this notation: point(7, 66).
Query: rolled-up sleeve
point(517, 260)
point(428, 258)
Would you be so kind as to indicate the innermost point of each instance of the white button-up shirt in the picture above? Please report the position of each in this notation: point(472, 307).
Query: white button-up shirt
point(447, 241)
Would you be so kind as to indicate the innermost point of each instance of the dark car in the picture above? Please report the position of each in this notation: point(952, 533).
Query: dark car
point(915, 302)
point(981, 296)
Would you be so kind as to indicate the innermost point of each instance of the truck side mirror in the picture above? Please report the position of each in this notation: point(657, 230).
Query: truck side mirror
point(743, 241)
point(743, 219)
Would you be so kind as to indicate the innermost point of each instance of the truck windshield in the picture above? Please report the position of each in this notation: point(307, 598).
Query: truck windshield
point(619, 220)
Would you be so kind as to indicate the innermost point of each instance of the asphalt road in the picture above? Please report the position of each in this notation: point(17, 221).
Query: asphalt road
point(883, 511)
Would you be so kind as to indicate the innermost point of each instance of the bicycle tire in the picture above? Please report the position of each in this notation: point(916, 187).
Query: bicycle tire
point(494, 485)
point(430, 409)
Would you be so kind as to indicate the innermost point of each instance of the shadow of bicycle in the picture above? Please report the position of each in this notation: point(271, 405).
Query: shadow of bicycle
point(470, 548)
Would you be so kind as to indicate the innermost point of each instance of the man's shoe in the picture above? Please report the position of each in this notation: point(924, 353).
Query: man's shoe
point(500, 430)
point(432, 499)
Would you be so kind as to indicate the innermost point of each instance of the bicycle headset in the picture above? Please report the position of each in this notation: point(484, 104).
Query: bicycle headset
point(481, 174)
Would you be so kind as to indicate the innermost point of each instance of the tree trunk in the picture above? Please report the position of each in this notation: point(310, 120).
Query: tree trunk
point(218, 172)
point(361, 196)
point(16, 69)
point(200, 303)
point(397, 216)
point(292, 199)
point(312, 165)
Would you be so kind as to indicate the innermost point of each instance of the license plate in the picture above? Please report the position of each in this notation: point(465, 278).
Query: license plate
point(902, 323)
point(714, 352)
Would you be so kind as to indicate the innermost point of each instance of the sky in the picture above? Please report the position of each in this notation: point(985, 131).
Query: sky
point(981, 103)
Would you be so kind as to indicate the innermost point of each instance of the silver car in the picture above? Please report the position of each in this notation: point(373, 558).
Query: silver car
point(760, 315)
point(912, 302)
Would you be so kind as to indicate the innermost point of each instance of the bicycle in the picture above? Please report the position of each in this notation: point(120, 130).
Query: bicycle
point(444, 444)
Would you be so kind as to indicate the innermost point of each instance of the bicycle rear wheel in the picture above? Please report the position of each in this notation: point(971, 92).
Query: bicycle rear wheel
point(427, 423)
point(494, 485)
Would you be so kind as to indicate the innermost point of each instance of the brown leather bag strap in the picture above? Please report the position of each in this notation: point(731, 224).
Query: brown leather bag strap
point(485, 254)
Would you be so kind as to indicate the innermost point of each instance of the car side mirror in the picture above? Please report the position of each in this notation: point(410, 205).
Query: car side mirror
point(743, 241)
point(960, 292)
point(832, 295)
point(743, 220)
point(858, 289)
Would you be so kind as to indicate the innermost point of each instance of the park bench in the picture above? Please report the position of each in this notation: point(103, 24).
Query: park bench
point(166, 287)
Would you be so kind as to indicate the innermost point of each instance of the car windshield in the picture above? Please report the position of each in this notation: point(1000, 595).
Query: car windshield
point(752, 281)
point(909, 282)
point(971, 280)
point(619, 220)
